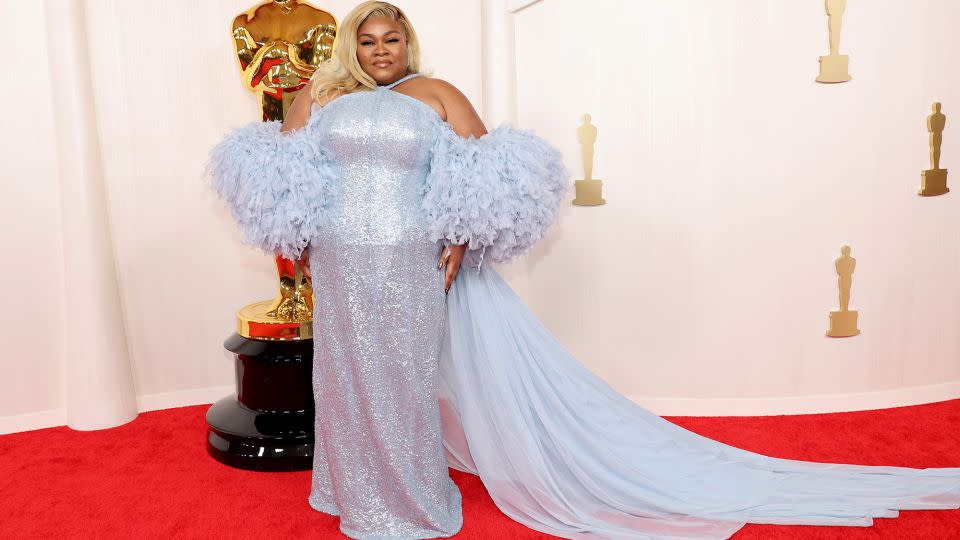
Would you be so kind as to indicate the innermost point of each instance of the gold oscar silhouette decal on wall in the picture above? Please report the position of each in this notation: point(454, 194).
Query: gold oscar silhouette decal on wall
point(834, 67)
point(843, 323)
point(934, 181)
point(589, 190)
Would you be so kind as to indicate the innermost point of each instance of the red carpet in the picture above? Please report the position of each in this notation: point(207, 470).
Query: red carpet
point(152, 478)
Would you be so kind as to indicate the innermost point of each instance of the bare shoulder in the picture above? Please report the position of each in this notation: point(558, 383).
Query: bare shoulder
point(298, 115)
point(460, 114)
point(328, 96)
point(307, 95)
point(441, 86)
point(447, 93)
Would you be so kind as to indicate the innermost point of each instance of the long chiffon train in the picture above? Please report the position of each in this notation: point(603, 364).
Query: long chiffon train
point(562, 452)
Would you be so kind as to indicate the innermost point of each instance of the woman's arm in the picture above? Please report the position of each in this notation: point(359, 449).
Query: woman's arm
point(460, 114)
point(465, 121)
point(278, 186)
point(299, 112)
point(498, 192)
point(296, 118)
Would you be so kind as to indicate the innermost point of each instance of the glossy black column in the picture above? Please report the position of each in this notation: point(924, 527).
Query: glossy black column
point(268, 424)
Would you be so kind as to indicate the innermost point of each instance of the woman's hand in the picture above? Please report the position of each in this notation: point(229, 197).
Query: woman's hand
point(452, 256)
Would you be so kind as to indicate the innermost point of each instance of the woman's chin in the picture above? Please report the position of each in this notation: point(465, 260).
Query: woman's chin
point(385, 75)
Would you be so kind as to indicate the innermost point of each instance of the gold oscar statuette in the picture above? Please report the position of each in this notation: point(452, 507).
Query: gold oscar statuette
point(589, 191)
point(279, 45)
point(843, 323)
point(934, 181)
point(834, 68)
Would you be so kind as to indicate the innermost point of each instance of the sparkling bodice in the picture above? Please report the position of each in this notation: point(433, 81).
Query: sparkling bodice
point(381, 141)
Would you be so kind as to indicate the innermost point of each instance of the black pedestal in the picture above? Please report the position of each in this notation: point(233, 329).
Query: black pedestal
point(268, 424)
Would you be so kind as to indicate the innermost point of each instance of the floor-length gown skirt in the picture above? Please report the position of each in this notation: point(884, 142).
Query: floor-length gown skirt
point(562, 452)
point(378, 324)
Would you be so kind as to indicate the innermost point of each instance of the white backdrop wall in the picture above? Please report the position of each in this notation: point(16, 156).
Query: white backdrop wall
point(31, 279)
point(732, 180)
point(702, 287)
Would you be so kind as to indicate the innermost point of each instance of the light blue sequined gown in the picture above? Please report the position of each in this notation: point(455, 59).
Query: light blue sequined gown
point(409, 380)
point(378, 323)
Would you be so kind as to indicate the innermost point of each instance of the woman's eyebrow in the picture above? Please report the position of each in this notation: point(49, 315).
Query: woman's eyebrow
point(385, 33)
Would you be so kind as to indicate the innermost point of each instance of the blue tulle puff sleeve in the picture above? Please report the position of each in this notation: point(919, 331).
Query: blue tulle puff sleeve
point(498, 193)
point(277, 185)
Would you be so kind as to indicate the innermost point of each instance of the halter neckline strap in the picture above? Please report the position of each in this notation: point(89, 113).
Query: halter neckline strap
point(400, 80)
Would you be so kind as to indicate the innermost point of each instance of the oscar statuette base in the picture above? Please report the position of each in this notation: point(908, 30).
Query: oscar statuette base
point(268, 425)
point(588, 193)
point(933, 182)
point(834, 69)
point(843, 324)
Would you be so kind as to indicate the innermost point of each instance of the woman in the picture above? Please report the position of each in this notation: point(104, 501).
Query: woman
point(375, 172)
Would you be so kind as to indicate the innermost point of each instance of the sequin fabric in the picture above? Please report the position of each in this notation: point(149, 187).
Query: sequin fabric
point(379, 315)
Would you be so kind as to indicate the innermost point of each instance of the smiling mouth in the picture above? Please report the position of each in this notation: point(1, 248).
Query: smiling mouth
point(382, 64)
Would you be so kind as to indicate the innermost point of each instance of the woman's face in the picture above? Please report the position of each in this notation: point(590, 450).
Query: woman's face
point(382, 49)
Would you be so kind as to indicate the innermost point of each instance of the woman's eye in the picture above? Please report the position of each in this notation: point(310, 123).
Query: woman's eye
point(393, 40)
point(366, 43)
